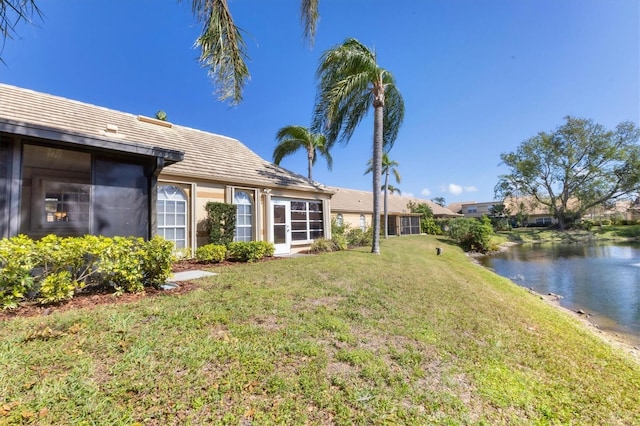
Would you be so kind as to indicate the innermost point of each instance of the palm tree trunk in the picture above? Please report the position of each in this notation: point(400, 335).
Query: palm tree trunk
point(309, 162)
point(386, 204)
point(377, 171)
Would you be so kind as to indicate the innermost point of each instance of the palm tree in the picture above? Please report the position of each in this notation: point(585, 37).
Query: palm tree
point(223, 50)
point(292, 138)
point(349, 82)
point(388, 166)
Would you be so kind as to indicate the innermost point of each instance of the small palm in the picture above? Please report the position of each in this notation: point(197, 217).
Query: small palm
point(294, 138)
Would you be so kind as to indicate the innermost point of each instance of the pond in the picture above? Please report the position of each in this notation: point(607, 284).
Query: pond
point(601, 279)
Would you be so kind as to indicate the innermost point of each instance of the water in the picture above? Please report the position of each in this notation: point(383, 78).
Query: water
point(601, 279)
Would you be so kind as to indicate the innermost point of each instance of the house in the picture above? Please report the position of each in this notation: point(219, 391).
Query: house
point(72, 168)
point(355, 208)
point(473, 208)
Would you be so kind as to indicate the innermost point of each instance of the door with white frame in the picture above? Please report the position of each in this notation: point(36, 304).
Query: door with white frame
point(281, 224)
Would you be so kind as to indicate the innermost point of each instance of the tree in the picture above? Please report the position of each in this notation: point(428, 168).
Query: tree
point(349, 83)
point(222, 48)
point(439, 201)
point(388, 166)
point(574, 168)
point(292, 138)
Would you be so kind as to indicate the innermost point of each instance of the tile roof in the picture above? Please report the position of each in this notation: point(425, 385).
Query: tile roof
point(206, 155)
point(353, 200)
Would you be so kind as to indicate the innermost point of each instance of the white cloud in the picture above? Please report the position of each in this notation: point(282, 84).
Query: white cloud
point(426, 192)
point(455, 189)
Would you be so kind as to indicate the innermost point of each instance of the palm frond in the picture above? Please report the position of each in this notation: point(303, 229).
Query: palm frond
point(309, 15)
point(222, 49)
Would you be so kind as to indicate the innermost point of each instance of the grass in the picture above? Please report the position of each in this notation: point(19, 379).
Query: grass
point(601, 233)
point(342, 338)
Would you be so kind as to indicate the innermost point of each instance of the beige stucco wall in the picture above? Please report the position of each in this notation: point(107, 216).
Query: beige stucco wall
point(206, 191)
point(352, 220)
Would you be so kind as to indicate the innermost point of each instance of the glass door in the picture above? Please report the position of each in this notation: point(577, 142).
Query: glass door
point(281, 220)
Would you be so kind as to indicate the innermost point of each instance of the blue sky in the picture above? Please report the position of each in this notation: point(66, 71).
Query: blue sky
point(477, 77)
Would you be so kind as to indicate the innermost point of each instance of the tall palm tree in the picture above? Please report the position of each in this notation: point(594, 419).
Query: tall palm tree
point(223, 50)
point(349, 82)
point(292, 138)
point(388, 166)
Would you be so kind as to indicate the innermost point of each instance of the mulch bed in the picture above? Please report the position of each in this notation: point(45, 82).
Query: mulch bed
point(105, 296)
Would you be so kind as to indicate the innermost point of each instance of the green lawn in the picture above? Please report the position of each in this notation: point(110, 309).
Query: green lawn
point(602, 233)
point(406, 337)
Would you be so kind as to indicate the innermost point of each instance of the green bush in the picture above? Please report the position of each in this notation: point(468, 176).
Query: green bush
point(157, 257)
point(54, 268)
point(250, 251)
point(221, 222)
point(339, 242)
point(121, 265)
point(322, 245)
point(57, 287)
point(356, 237)
point(17, 259)
point(429, 226)
point(472, 234)
point(211, 253)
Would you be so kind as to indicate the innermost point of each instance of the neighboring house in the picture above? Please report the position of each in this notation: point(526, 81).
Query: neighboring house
point(71, 168)
point(473, 208)
point(355, 208)
point(532, 213)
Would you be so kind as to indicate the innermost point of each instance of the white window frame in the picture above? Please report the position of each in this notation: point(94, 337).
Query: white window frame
point(168, 220)
point(297, 220)
point(249, 195)
point(363, 223)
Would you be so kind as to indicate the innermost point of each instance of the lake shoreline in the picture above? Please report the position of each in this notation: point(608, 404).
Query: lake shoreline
point(630, 344)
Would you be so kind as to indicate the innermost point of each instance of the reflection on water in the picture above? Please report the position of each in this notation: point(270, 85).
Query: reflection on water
point(601, 279)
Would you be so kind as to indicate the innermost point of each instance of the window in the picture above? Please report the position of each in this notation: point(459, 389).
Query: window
point(363, 222)
point(59, 184)
point(543, 221)
point(172, 215)
point(472, 210)
point(306, 220)
point(339, 219)
point(410, 225)
point(244, 216)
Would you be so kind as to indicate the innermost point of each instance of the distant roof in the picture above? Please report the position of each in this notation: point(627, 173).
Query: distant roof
point(206, 155)
point(357, 201)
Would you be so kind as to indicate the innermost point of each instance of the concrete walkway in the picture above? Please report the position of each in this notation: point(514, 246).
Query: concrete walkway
point(190, 275)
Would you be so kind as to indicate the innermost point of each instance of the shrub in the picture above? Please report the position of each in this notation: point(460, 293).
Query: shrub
point(358, 238)
point(57, 287)
point(121, 266)
point(339, 242)
point(429, 226)
point(472, 234)
point(16, 261)
point(211, 253)
point(221, 222)
point(322, 245)
point(157, 257)
point(250, 251)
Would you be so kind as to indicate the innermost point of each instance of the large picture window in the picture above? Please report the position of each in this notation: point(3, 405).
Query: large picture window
point(244, 216)
point(306, 220)
point(172, 215)
point(410, 225)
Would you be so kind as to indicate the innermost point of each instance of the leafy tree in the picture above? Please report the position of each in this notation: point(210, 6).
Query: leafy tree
point(222, 49)
point(574, 168)
point(439, 201)
point(388, 166)
point(499, 215)
point(350, 81)
point(292, 138)
point(427, 223)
